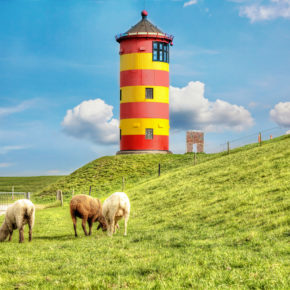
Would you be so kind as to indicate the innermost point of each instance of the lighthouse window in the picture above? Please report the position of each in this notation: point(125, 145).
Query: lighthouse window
point(155, 55)
point(120, 95)
point(160, 51)
point(149, 93)
point(120, 134)
point(149, 134)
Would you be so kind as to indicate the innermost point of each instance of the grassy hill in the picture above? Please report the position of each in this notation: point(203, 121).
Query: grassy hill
point(105, 174)
point(26, 184)
point(222, 224)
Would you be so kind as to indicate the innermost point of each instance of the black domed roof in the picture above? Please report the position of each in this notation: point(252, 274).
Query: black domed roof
point(144, 28)
point(144, 25)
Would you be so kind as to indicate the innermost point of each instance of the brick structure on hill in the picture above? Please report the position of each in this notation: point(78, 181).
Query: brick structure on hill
point(194, 137)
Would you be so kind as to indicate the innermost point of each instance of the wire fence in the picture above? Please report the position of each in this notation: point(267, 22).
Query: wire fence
point(98, 189)
point(257, 137)
point(7, 198)
point(126, 183)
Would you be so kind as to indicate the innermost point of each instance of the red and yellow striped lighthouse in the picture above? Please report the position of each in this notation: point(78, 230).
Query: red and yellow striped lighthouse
point(144, 89)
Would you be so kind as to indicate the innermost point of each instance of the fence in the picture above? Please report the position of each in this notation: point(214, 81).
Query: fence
point(257, 137)
point(7, 198)
point(127, 181)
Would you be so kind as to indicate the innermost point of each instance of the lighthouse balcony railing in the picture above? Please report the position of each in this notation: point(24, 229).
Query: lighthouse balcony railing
point(144, 33)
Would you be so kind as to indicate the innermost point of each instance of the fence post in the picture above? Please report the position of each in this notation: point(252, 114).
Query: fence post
point(159, 169)
point(260, 138)
point(90, 190)
point(12, 192)
point(194, 159)
point(61, 198)
point(123, 183)
point(228, 144)
point(28, 195)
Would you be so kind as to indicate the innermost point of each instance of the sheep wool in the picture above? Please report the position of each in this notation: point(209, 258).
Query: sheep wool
point(115, 207)
point(18, 214)
point(89, 209)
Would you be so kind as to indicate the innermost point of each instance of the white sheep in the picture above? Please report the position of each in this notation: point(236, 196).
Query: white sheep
point(115, 207)
point(18, 214)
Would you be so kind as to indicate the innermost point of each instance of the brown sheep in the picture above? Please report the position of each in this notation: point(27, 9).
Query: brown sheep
point(89, 209)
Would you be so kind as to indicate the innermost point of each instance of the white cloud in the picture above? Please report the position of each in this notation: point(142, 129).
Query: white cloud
point(57, 172)
point(258, 105)
point(238, 1)
point(189, 109)
point(4, 165)
point(4, 111)
point(253, 104)
point(266, 10)
point(92, 120)
point(189, 3)
point(281, 114)
point(6, 149)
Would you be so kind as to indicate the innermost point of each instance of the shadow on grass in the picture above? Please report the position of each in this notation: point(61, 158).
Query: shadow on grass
point(62, 238)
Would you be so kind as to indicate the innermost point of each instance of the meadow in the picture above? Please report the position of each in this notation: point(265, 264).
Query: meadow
point(221, 224)
point(26, 184)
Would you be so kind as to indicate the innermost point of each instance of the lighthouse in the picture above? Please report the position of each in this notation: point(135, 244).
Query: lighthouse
point(144, 89)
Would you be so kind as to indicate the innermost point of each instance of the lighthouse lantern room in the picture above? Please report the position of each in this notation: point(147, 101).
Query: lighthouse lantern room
point(144, 89)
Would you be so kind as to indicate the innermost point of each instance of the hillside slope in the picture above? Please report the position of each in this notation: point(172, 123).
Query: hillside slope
point(223, 224)
point(230, 214)
point(105, 174)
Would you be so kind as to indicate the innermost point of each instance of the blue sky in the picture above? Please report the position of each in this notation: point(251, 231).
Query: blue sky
point(229, 75)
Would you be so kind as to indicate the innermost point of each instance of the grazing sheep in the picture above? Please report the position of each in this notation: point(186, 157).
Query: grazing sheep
point(115, 207)
point(89, 209)
point(18, 214)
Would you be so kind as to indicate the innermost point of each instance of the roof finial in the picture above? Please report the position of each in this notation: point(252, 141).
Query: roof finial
point(144, 14)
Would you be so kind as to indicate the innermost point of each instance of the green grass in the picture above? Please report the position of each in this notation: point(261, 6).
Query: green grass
point(105, 174)
point(223, 224)
point(26, 184)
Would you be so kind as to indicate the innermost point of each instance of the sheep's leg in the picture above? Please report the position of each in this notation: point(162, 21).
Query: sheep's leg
point(113, 227)
point(116, 224)
point(21, 235)
point(10, 236)
point(74, 220)
point(116, 227)
point(90, 222)
point(30, 231)
point(126, 217)
point(109, 230)
point(84, 225)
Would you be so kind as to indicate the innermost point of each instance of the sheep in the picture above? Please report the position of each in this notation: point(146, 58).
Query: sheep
point(89, 209)
point(18, 214)
point(115, 207)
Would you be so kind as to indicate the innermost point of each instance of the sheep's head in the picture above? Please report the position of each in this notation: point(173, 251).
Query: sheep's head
point(102, 223)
